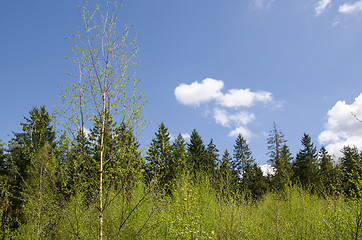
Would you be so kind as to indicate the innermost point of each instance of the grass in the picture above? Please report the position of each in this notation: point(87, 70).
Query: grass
point(195, 210)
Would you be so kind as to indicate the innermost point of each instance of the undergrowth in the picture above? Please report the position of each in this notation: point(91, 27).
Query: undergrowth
point(197, 210)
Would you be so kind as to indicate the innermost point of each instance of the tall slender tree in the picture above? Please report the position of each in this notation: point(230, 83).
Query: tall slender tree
point(211, 158)
point(226, 177)
point(196, 152)
point(242, 155)
point(305, 167)
point(224, 166)
point(350, 171)
point(36, 132)
point(279, 157)
point(250, 175)
point(242, 162)
point(283, 168)
point(178, 152)
point(36, 139)
point(159, 160)
point(105, 87)
point(326, 171)
point(275, 142)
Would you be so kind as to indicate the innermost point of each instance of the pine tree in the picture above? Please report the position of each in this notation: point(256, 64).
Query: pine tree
point(283, 168)
point(224, 166)
point(326, 171)
point(23, 149)
point(75, 173)
point(37, 130)
point(228, 179)
point(211, 158)
point(160, 165)
point(350, 171)
point(255, 184)
point(120, 150)
point(196, 152)
point(279, 157)
point(128, 158)
point(305, 167)
point(178, 152)
point(275, 142)
point(242, 155)
point(242, 163)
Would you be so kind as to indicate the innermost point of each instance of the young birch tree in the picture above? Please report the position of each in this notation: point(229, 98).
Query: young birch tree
point(103, 87)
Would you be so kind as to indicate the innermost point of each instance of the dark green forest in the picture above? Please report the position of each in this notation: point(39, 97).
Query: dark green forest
point(79, 171)
point(177, 190)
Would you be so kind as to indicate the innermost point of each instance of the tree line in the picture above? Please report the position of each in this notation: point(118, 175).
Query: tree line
point(41, 169)
point(238, 171)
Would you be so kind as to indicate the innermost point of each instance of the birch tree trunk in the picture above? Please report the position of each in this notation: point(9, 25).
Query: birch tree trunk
point(105, 88)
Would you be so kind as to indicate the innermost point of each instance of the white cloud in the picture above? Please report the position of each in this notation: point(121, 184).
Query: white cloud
point(197, 93)
point(237, 120)
point(336, 23)
point(321, 6)
point(221, 117)
point(86, 131)
point(350, 8)
point(186, 136)
point(267, 169)
point(227, 119)
point(241, 130)
point(243, 98)
point(342, 128)
point(172, 137)
point(210, 89)
point(262, 4)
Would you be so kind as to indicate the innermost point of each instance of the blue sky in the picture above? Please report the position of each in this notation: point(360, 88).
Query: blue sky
point(221, 67)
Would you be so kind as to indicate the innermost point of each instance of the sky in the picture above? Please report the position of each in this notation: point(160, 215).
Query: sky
point(220, 67)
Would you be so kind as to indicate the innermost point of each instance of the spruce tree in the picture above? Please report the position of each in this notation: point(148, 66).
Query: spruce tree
point(36, 132)
point(160, 167)
point(283, 168)
point(224, 166)
point(211, 158)
point(305, 167)
point(128, 159)
point(242, 163)
point(225, 176)
point(255, 183)
point(36, 139)
point(196, 152)
point(79, 171)
point(326, 171)
point(275, 142)
point(350, 171)
point(242, 155)
point(178, 152)
point(120, 149)
point(279, 157)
